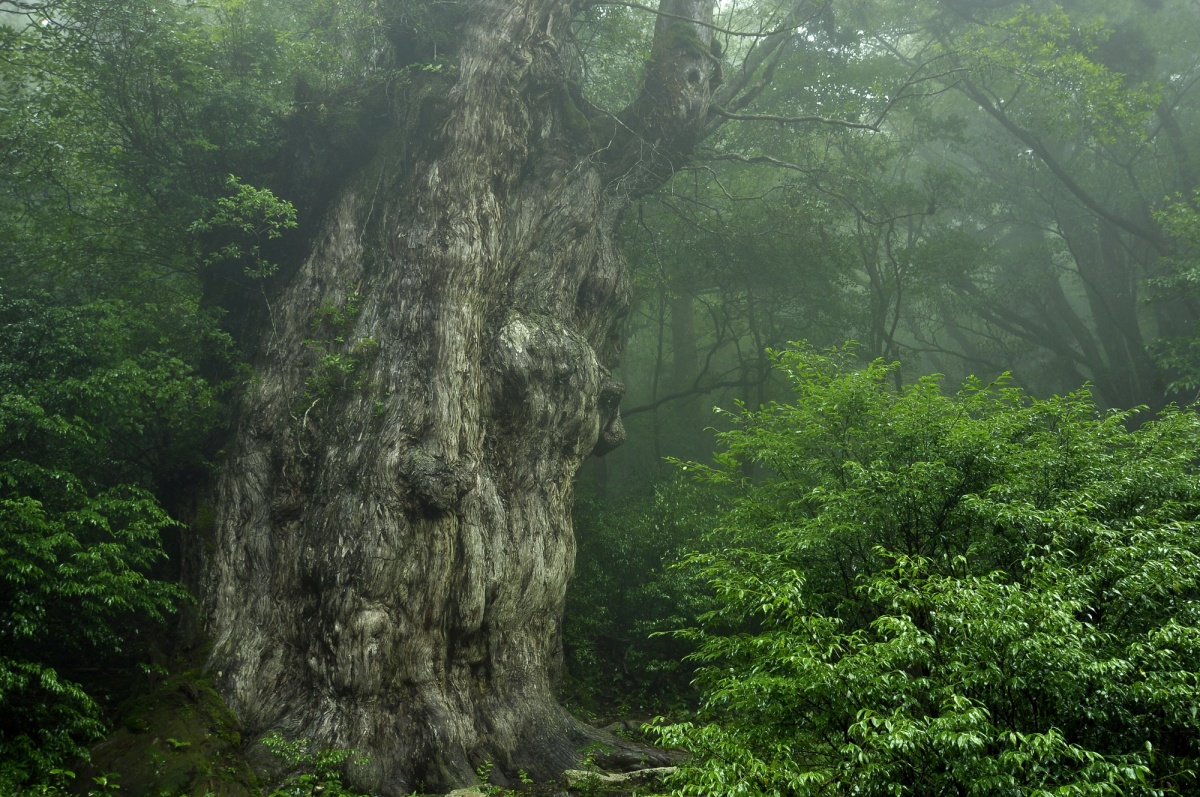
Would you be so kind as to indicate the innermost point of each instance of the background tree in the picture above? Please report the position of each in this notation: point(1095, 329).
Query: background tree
point(1001, 213)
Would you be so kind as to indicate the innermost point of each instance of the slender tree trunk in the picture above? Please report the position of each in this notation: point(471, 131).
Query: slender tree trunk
point(1128, 376)
point(685, 361)
point(393, 536)
point(691, 438)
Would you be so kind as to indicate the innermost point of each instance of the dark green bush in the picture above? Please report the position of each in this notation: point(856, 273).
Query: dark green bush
point(625, 595)
point(976, 594)
point(96, 412)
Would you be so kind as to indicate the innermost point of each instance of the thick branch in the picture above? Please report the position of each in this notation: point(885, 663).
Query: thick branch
point(658, 132)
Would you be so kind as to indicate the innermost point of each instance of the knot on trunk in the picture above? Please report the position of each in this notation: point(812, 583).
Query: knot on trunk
point(545, 389)
point(612, 430)
point(438, 483)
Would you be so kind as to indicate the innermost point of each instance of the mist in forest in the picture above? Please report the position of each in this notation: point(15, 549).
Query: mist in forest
point(407, 395)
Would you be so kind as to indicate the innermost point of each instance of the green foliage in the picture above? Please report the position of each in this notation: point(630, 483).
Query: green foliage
point(120, 119)
point(483, 775)
point(126, 117)
point(336, 360)
point(95, 413)
point(1054, 57)
point(337, 317)
point(1180, 354)
point(1180, 220)
point(313, 772)
point(251, 216)
point(62, 786)
point(121, 123)
point(124, 120)
point(927, 594)
point(616, 41)
point(591, 785)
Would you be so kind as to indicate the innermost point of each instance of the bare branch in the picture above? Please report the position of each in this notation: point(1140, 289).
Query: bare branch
point(859, 212)
point(695, 390)
point(768, 117)
point(738, 91)
point(901, 93)
point(711, 26)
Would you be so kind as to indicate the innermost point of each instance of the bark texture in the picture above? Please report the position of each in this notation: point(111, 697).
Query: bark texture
point(393, 525)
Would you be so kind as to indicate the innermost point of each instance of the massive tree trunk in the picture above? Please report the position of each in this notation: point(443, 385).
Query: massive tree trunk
point(393, 528)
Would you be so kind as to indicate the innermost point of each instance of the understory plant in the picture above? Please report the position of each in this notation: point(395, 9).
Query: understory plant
point(312, 771)
point(98, 414)
point(928, 594)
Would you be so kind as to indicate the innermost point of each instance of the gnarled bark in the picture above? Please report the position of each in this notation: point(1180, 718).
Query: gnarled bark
point(394, 537)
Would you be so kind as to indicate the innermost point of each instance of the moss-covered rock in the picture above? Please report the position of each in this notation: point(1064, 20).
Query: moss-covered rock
point(177, 740)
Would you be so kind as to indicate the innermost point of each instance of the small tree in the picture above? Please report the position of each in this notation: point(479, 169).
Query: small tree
point(930, 594)
point(95, 411)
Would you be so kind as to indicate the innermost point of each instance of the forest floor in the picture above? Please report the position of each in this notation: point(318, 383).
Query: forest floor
point(178, 739)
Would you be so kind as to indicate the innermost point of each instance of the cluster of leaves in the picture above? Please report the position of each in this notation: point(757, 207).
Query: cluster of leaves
point(313, 771)
point(252, 216)
point(1055, 56)
point(123, 120)
point(929, 594)
point(63, 785)
point(96, 415)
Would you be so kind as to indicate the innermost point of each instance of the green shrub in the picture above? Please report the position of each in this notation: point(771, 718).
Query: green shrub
point(312, 771)
point(924, 594)
point(93, 417)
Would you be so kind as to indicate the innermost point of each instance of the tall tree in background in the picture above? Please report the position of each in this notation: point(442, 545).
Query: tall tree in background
point(393, 529)
point(1004, 215)
point(1077, 125)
